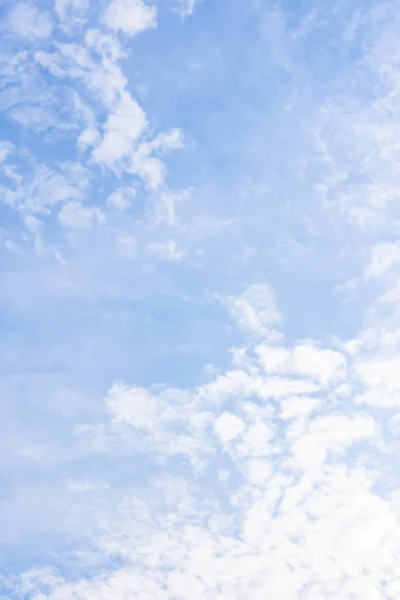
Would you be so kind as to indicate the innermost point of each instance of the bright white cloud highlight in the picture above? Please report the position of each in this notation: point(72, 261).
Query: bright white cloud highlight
point(129, 16)
point(121, 130)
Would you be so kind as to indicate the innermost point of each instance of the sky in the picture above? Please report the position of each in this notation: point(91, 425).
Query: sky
point(199, 300)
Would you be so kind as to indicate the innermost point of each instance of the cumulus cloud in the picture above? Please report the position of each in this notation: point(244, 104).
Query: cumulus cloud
point(228, 427)
point(302, 507)
point(322, 365)
point(306, 523)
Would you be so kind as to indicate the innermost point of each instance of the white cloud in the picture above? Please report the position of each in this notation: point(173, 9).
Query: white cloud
point(287, 533)
point(228, 427)
point(304, 359)
point(333, 433)
point(76, 216)
point(299, 406)
point(28, 22)
point(170, 139)
point(255, 311)
point(37, 118)
point(58, 65)
point(6, 148)
point(122, 129)
point(380, 378)
point(383, 257)
point(255, 441)
point(105, 78)
point(166, 251)
point(32, 223)
point(324, 366)
point(246, 382)
point(12, 246)
point(274, 359)
point(122, 198)
point(129, 16)
point(71, 12)
point(149, 168)
point(185, 7)
point(358, 138)
point(301, 515)
point(133, 406)
point(167, 201)
point(47, 187)
point(88, 138)
point(258, 471)
point(123, 145)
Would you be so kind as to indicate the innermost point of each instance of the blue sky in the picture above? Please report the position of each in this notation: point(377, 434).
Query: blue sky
point(199, 291)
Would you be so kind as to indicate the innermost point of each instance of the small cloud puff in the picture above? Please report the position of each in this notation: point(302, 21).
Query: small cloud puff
point(129, 16)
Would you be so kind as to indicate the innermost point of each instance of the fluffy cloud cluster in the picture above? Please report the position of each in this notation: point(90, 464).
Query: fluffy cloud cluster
point(263, 487)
